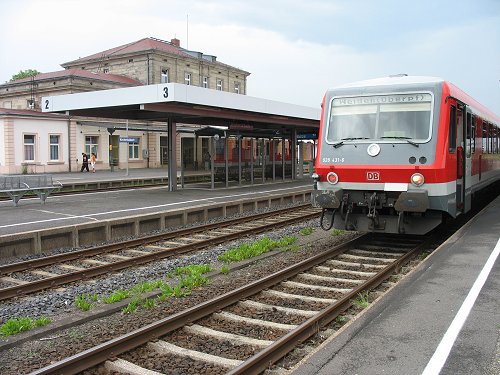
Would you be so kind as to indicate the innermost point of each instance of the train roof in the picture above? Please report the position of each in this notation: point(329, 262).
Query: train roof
point(406, 80)
point(399, 79)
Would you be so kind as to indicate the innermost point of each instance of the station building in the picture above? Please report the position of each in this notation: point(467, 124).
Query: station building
point(36, 142)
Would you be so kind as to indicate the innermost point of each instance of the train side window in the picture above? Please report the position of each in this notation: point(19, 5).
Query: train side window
point(494, 139)
point(469, 133)
point(493, 136)
point(483, 138)
point(473, 128)
point(452, 131)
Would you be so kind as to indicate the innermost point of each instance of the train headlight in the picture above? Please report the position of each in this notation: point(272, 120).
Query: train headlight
point(316, 177)
point(417, 179)
point(332, 178)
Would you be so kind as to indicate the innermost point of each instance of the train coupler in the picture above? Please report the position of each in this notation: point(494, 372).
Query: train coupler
point(373, 215)
point(329, 215)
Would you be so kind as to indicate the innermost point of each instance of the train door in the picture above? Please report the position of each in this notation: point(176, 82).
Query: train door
point(470, 140)
point(457, 146)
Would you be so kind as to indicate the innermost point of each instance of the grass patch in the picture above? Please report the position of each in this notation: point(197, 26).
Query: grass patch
point(306, 231)
point(424, 254)
point(362, 300)
point(337, 232)
point(16, 325)
point(146, 287)
point(117, 296)
point(341, 319)
point(84, 301)
point(224, 270)
point(247, 251)
point(132, 306)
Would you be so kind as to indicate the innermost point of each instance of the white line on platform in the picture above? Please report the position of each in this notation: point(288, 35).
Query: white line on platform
point(91, 216)
point(442, 352)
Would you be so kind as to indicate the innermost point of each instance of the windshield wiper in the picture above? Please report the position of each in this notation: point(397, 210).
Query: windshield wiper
point(338, 144)
point(407, 139)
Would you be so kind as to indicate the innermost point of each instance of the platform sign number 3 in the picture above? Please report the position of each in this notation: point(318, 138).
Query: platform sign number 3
point(165, 92)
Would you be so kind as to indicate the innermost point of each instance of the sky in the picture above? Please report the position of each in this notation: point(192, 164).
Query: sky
point(294, 49)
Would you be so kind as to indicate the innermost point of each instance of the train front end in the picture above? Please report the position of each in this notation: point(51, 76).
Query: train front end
point(376, 167)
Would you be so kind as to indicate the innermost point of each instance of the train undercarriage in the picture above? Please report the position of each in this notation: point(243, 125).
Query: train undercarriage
point(386, 212)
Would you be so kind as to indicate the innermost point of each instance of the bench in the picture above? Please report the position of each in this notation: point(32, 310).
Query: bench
point(16, 186)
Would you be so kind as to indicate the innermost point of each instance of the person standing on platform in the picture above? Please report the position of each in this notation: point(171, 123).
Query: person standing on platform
point(93, 159)
point(85, 162)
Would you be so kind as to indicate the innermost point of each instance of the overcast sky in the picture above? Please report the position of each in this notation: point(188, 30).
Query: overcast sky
point(293, 49)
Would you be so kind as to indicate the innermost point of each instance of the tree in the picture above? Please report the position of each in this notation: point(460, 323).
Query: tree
point(24, 74)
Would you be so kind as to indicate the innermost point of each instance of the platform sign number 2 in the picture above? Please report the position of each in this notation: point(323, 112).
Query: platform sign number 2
point(46, 104)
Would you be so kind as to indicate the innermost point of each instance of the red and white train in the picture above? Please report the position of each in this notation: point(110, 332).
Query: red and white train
point(400, 154)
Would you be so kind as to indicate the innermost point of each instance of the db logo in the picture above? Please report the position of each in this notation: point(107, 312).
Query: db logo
point(373, 176)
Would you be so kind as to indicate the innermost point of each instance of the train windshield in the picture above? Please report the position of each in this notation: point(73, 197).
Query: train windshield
point(381, 117)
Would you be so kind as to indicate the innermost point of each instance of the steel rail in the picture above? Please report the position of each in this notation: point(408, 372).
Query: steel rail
point(261, 361)
point(96, 250)
point(54, 281)
point(112, 348)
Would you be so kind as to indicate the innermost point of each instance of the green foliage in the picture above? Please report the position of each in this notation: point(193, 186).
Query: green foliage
point(193, 269)
point(16, 325)
point(82, 301)
point(306, 231)
point(132, 306)
point(146, 286)
point(362, 300)
point(224, 270)
point(149, 303)
point(337, 232)
point(293, 248)
point(424, 254)
point(117, 296)
point(341, 319)
point(24, 74)
point(179, 291)
point(247, 251)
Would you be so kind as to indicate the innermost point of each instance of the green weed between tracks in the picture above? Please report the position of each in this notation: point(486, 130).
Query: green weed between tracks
point(16, 325)
point(247, 251)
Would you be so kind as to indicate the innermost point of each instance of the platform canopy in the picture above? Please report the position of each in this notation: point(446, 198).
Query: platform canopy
point(188, 105)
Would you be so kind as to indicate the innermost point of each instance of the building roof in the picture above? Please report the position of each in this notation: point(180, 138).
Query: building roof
point(187, 105)
point(29, 112)
point(145, 44)
point(80, 73)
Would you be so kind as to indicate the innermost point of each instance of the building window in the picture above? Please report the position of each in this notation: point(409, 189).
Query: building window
point(91, 143)
point(187, 78)
point(164, 76)
point(29, 147)
point(219, 84)
point(54, 147)
point(205, 82)
point(105, 70)
point(133, 150)
point(236, 87)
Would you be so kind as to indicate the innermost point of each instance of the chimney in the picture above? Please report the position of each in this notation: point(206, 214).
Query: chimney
point(176, 42)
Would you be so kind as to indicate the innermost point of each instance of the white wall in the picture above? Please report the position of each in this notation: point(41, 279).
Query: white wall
point(41, 128)
point(2, 145)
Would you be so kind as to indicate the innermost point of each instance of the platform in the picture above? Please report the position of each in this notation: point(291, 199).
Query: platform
point(402, 332)
point(86, 219)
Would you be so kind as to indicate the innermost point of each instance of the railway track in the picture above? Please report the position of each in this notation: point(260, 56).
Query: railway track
point(22, 278)
point(246, 330)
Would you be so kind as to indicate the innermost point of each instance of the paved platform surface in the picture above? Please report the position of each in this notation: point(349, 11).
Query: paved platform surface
point(87, 207)
point(401, 333)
